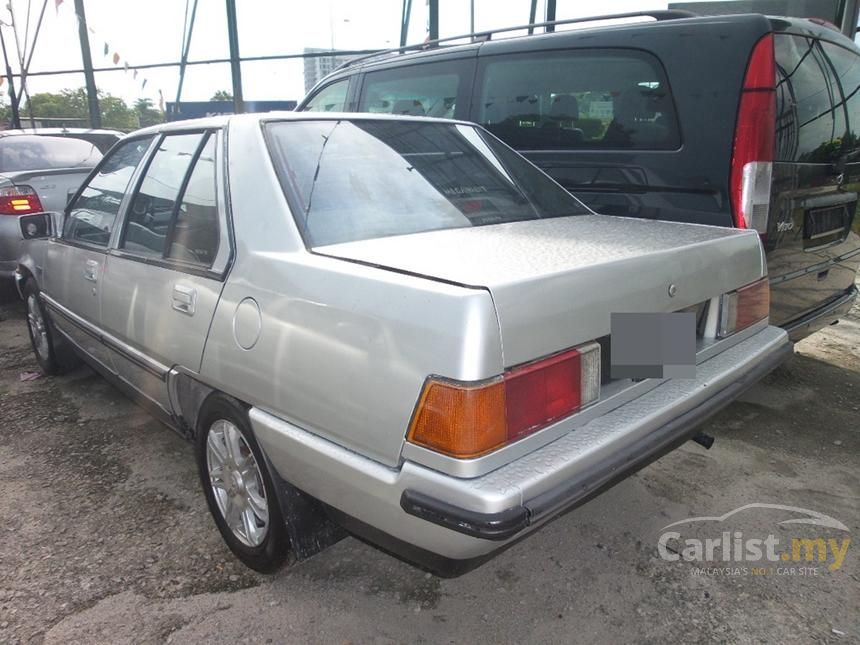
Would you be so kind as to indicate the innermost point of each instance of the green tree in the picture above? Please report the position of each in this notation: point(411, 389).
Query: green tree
point(72, 104)
point(146, 113)
point(222, 95)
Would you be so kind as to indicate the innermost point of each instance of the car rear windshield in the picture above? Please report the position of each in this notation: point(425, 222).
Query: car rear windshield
point(36, 152)
point(362, 179)
point(591, 98)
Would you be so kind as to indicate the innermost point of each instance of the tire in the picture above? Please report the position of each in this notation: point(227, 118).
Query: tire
point(244, 487)
point(52, 353)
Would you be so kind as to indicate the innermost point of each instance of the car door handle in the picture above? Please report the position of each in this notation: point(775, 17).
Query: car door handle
point(91, 271)
point(184, 299)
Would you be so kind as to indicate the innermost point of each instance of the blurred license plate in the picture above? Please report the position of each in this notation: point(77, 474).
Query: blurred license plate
point(653, 345)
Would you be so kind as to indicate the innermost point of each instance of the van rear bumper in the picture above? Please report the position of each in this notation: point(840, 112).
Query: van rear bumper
point(822, 316)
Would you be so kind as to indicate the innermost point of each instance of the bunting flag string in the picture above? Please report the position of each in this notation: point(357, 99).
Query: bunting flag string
point(115, 57)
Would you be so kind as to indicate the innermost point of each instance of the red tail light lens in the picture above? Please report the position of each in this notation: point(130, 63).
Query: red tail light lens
point(755, 131)
point(467, 420)
point(19, 200)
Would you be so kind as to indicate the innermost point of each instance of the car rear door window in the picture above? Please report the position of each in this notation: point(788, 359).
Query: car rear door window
point(93, 213)
point(331, 98)
point(809, 127)
point(151, 211)
point(846, 69)
point(596, 98)
point(430, 89)
point(195, 233)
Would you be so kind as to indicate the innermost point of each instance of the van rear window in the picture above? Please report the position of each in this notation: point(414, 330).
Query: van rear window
point(595, 98)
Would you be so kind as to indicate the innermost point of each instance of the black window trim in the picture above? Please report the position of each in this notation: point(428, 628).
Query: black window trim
point(192, 268)
point(120, 215)
point(480, 72)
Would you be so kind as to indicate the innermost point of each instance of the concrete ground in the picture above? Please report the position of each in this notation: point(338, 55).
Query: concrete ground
point(105, 536)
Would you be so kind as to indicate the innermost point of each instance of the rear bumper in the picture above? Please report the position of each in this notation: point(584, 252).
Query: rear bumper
point(10, 245)
point(822, 316)
point(457, 520)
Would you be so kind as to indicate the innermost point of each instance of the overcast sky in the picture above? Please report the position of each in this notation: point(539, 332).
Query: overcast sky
point(150, 31)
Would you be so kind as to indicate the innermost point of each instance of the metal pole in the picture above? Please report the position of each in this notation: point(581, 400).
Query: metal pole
point(404, 21)
point(849, 18)
point(550, 15)
point(472, 16)
point(26, 67)
point(186, 46)
point(433, 8)
point(532, 16)
point(16, 117)
point(92, 92)
point(235, 65)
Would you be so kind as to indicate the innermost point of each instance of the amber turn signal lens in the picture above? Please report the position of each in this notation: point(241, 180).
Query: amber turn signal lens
point(744, 307)
point(460, 421)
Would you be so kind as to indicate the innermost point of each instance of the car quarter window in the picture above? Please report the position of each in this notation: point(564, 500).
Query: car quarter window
point(92, 215)
point(331, 98)
point(595, 98)
point(429, 89)
point(151, 212)
point(846, 67)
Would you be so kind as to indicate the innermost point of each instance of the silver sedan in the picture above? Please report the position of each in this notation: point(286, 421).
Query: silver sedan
point(394, 326)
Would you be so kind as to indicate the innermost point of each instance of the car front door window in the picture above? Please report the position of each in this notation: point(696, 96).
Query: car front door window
point(92, 215)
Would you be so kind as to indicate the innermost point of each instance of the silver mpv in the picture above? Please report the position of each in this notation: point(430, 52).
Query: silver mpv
point(394, 326)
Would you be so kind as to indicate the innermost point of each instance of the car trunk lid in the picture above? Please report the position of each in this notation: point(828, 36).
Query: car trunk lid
point(555, 282)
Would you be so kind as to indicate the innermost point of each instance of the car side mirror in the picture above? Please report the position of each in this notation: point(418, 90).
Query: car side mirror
point(39, 225)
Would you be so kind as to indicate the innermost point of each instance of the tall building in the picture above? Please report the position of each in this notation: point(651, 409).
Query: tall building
point(318, 67)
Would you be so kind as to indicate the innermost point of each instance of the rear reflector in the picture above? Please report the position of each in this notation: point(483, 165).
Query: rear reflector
point(755, 132)
point(744, 307)
point(19, 200)
point(466, 420)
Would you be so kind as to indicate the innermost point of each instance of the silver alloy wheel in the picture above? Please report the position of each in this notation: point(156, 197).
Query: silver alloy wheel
point(237, 483)
point(37, 328)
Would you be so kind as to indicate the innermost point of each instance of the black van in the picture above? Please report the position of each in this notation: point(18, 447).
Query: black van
point(744, 121)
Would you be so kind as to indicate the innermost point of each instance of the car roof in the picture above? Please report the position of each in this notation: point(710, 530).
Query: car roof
point(222, 120)
point(59, 131)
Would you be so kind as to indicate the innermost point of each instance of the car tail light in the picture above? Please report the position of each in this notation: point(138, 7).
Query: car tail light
point(19, 200)
point(467, 420)
point(740, 309)
point(752, 155)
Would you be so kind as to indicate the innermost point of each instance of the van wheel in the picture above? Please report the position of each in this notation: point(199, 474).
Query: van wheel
point(238, 486)
point(53, 356)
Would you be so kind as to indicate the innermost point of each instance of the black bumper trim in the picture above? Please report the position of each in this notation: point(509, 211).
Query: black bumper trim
point(506, 524)
point(822, 316)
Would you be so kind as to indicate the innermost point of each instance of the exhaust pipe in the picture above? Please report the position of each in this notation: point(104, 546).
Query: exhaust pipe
point(704, 440)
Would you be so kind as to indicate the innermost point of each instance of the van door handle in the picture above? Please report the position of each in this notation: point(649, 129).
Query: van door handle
point(184, 299)
point(91, 270)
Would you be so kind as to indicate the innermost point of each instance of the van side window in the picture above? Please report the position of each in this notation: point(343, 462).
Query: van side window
point(609, 99)
point(419, 90)
point(846, 69)
point(149, 217)
point(93, 214)
point(331, 98)
point(808, 128)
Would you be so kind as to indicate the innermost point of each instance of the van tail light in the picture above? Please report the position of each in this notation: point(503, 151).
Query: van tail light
point(466, 420)
point(19, 200)
point(744, 307)
point(755, 132)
